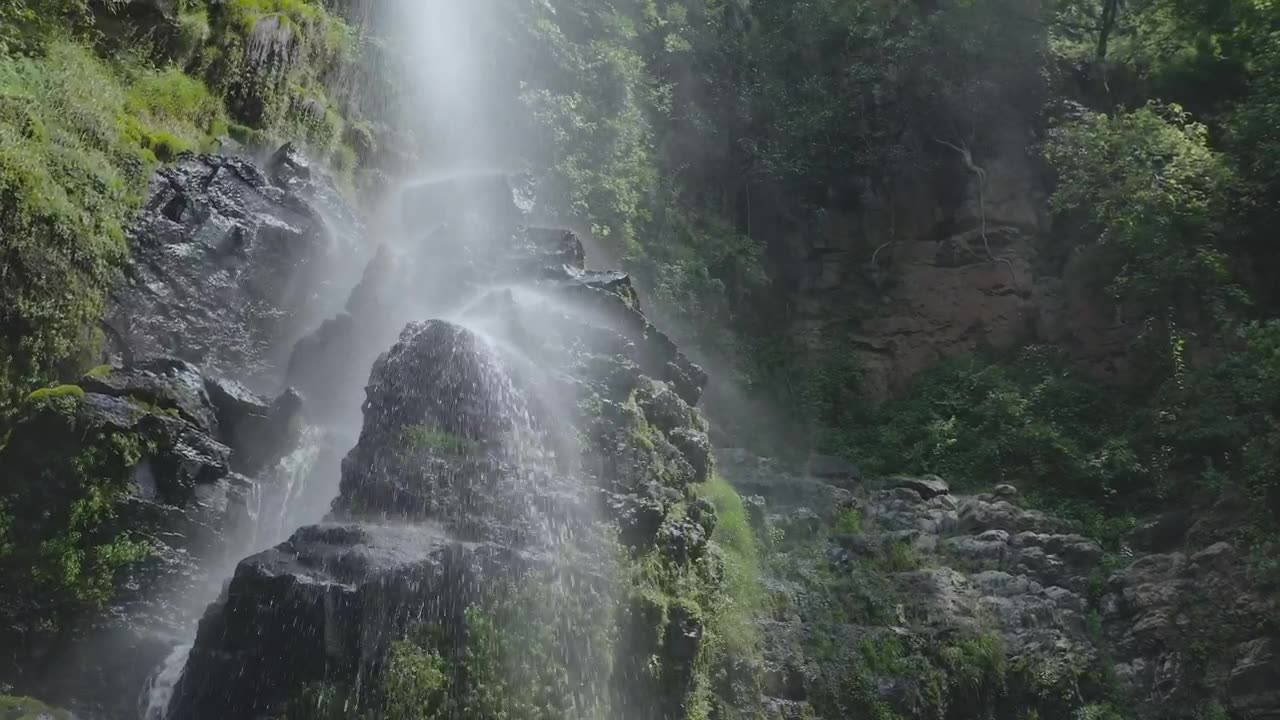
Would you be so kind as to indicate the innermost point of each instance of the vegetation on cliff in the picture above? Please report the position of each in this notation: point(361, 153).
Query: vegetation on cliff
point(84, 119)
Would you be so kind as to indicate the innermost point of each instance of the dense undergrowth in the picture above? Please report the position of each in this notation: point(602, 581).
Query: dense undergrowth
point(1102, 456)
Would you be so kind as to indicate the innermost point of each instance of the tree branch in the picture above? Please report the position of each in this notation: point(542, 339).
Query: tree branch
point(967, 156)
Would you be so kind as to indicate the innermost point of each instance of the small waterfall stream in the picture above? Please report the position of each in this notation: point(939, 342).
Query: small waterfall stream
point(154, 704)
point(278, 505)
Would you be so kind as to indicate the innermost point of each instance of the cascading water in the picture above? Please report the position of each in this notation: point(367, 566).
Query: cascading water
point(155, 700)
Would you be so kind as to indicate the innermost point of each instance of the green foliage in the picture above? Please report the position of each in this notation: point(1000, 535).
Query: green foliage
point(1218, 428)
point(1084, 454)
point(419, 438)
point(22, 708)
point(1156, 195)
point(1252, 123)
point(1030, 423)
point(975, 669)
point(1098, 712)
point(741, 596)
point(900, 557)
point(78, 138)
point(282, 96)
point(64, 544)
point(542, 650)
point(61, 391)
point(26, 26)
point(413, 682)
point(849, 522)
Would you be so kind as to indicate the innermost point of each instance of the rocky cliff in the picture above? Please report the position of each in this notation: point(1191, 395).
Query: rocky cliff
point(896, 598)
point(957, 259)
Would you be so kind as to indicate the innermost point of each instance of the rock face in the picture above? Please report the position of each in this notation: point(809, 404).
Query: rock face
point(900, 597)
point(126, 495)
point(229, 266)
point(508, 462)
point(944, 266)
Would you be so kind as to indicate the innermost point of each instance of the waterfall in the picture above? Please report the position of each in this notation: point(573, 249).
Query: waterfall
point(288, 501)
point(154, 704)
point(278, 505)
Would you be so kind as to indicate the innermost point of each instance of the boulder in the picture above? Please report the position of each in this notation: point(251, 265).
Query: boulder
point(928, 487)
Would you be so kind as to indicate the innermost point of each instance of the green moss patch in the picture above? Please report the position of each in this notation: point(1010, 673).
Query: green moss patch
point(22, 708)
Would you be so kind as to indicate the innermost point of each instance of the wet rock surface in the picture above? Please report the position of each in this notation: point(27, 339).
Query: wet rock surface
point(228, 266)
point(546, 415)
point(145, 456)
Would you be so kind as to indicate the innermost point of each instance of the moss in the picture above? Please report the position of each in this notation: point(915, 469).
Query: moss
point(52, 393)
point(418, 438)
point(540, 649)
point(742, 599)
point(100, 371)
point(22, 708)
point(246, 135)
point(79, 136)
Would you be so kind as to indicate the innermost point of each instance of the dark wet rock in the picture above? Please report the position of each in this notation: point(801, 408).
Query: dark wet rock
point(928, 487)
point(1005, 491)
point(144, 453)
point(832, 469)
point(225, 271)
point(289, 166)
point(488, 446)
point(481, 243)
point(324, 604)
point(258, 431)
point(166, 383)
point(1186, 629)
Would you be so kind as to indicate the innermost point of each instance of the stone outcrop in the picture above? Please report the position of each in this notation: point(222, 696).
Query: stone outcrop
point(505, 460)
point(127, 495)
point(884, 593)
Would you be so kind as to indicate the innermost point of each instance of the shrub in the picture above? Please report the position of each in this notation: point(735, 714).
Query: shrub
point(413, 682)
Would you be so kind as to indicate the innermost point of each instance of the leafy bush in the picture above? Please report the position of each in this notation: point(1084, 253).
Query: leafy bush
point(1030, 423)
point(413, 682)
point(1219, 423)
point(27, 25)
point(1156, 195)
point(65, 544)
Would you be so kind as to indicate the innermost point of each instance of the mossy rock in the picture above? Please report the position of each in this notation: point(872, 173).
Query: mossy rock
point(22, 708)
